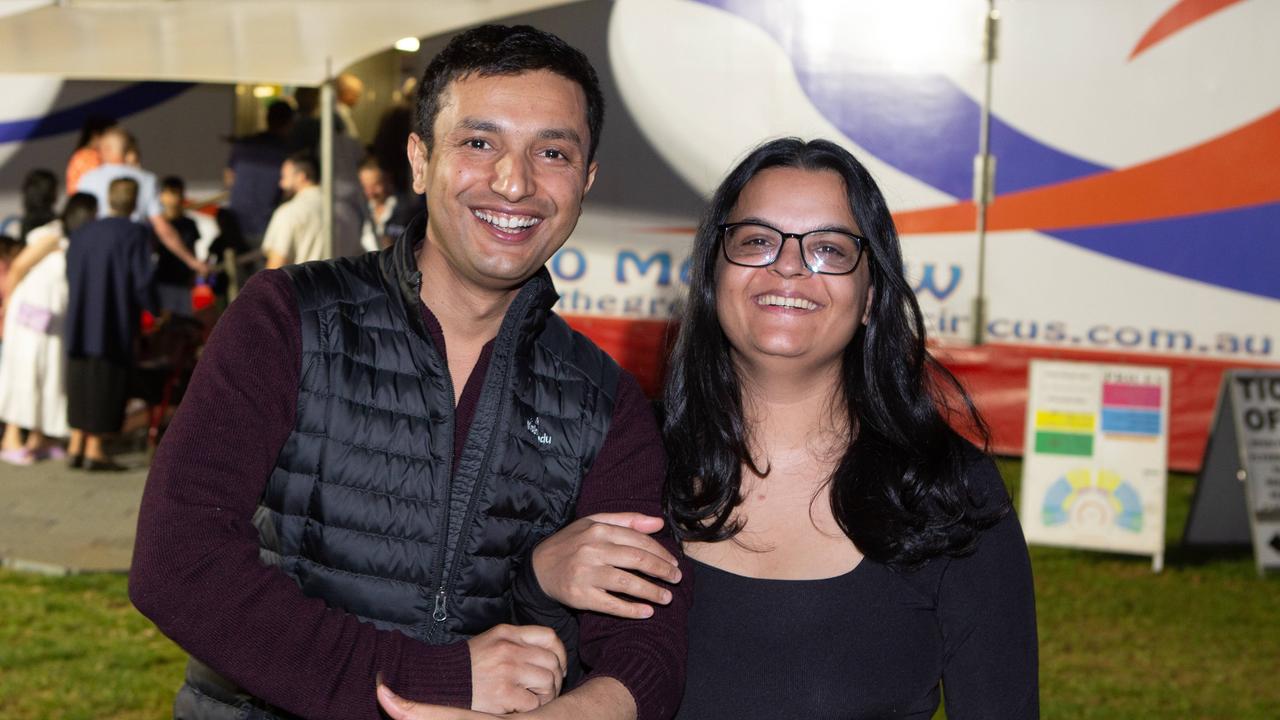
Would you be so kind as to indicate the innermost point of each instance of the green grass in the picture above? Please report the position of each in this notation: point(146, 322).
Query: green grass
point(74, 648)
point(1200, 640)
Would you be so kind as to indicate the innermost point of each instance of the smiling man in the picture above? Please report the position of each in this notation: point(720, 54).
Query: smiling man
point(384, 462)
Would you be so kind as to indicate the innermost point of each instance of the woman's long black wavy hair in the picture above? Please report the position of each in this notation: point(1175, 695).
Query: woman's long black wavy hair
point(39, 194)
point(899, 492)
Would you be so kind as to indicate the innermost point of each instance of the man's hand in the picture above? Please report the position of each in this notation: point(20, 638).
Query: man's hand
point(515, 668)
point(586, 562)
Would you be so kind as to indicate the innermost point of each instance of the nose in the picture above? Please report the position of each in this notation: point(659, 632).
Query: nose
point(790, 262)
point(512, 178)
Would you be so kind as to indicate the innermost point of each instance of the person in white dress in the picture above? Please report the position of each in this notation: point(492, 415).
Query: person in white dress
point(33, 394)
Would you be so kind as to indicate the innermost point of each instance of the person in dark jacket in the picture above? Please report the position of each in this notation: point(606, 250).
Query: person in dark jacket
point(383, 462)
point(109, 276)
point(252, 174)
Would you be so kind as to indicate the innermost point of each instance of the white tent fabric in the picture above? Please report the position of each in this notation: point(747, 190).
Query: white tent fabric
point(291, 42)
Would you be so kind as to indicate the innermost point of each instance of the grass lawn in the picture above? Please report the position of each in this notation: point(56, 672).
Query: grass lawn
point(75, 648)
point(1201, 640)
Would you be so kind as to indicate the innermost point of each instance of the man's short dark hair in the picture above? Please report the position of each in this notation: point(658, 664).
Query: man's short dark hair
point(173, 183)
point(122, 196)
point(307, 99)
point(491, 50)
point(279, 114)
point(305, 162)
point(370, 162)
point(80, 209)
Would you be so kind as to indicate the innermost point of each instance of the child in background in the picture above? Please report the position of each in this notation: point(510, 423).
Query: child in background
point(173, 278)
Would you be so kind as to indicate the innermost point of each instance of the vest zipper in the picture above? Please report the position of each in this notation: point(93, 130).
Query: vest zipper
point(442, 600)
point(440, 613)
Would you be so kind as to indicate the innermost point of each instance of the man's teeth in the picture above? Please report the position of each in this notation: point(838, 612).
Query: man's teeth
point(791, 302)
point(507, 222)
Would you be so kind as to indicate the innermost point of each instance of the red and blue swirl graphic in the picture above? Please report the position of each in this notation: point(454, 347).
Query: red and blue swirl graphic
point(1209, 212)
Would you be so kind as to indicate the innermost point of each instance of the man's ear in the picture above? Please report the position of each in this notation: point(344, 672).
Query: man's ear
point(591, 177)
point(871, 297)
point(416, 149)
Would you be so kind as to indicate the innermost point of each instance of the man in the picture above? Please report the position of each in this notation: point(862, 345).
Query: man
point(296, 231)
point(109, 274)
point(348, 201)
point(373, 451)
point(116, 146)
point(348, 90)
point(387, 213)
point(252, 174)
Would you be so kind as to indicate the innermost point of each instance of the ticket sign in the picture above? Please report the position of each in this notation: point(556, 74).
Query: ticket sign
point(1095, 470)
point(1238, 494)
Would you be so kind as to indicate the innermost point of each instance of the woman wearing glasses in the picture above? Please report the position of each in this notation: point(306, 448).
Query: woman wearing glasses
point(853, 552)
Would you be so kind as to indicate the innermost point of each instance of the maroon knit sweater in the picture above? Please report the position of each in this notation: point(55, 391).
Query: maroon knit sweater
point(197, 575)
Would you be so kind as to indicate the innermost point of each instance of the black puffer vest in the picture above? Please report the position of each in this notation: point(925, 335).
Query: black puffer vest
point(364, 508)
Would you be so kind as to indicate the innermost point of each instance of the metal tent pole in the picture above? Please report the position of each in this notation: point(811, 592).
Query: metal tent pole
point(984, 171)
point(326, 153)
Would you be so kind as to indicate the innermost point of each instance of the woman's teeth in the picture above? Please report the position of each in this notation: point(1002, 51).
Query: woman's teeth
point(791, 302)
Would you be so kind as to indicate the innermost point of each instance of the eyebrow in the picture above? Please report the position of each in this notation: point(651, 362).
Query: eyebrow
point(488, 126)
point(478, 125)
point(561, 134)
point(824, 228)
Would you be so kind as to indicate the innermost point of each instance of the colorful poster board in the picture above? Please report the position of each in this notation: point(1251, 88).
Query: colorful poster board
point(1095, 471)
point(1238, 493)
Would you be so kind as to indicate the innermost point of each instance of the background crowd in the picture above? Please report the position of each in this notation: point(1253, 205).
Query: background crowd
point(107, 292)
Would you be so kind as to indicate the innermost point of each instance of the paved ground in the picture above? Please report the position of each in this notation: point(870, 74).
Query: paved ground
point(57, 520)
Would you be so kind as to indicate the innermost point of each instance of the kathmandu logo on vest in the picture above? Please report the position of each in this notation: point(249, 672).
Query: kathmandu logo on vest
point(532, 426)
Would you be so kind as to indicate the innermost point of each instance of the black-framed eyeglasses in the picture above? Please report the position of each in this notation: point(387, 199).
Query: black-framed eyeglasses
point(753, 244)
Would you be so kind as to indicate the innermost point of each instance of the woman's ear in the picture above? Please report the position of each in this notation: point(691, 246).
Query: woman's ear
point(866, 312)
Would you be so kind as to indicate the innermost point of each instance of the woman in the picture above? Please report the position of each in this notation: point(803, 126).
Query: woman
point(854, 553)
point(33, 392)
point(86, 156)
point(39, 195)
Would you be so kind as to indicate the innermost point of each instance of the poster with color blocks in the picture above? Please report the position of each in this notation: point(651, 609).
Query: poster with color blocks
point(1095, 470)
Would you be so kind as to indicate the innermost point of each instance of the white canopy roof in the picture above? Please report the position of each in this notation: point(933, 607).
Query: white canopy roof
point(293, 42)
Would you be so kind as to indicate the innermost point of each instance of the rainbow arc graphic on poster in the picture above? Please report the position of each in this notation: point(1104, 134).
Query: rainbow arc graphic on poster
point(1093, 501)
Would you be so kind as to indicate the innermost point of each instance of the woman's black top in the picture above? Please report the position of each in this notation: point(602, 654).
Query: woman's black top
point(874, 642)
